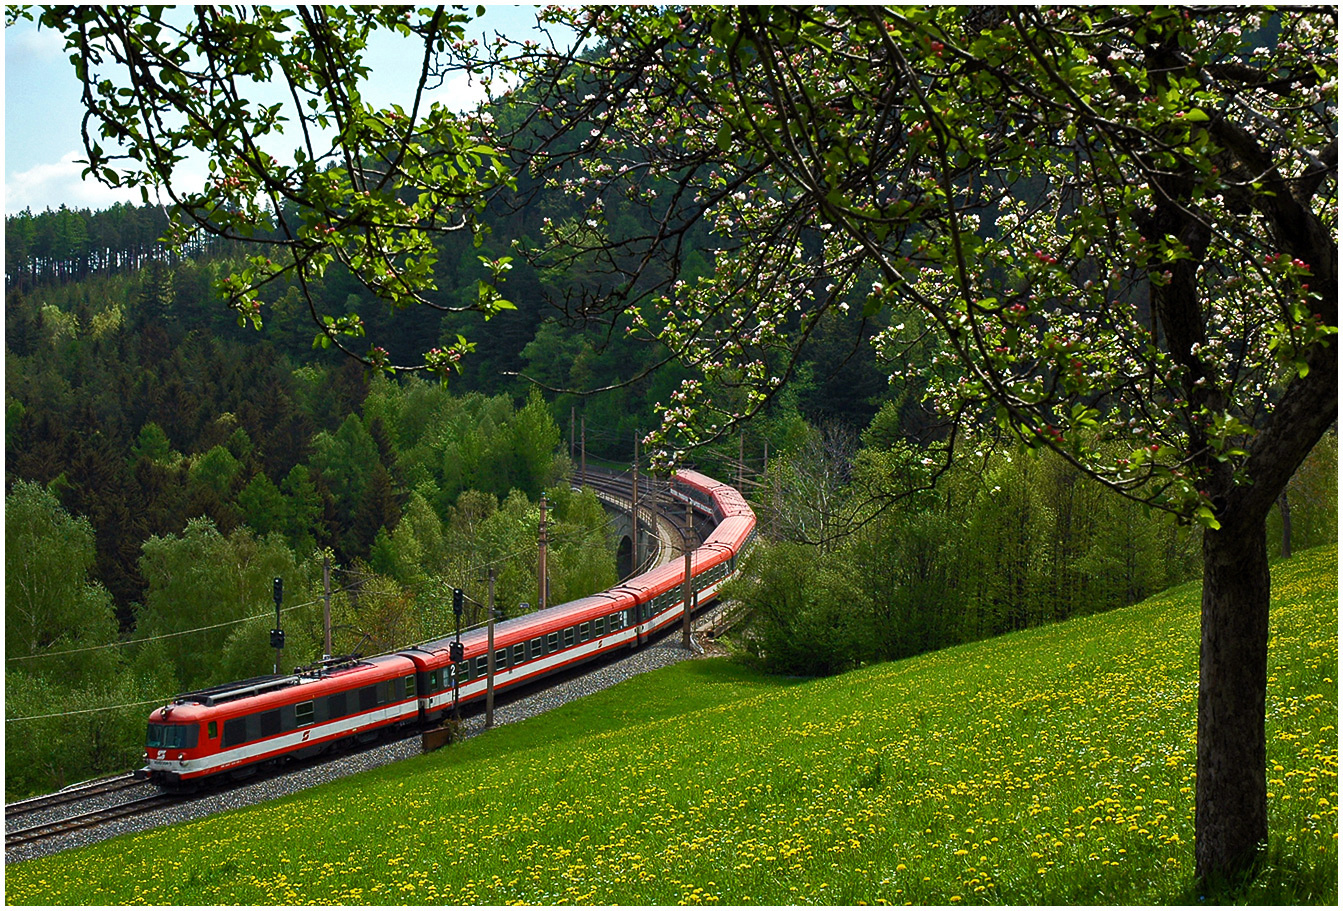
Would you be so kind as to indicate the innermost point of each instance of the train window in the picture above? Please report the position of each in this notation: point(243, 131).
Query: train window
point(519, 654)
point(303, 713)
point(616, 621)
point(410, 686)
point(583, 632)
point(235, 732)
point(433, 681)
point(463, 670)
point(213, 730)
point(599, 626)
point(174, 736)
point(335, 705)
point(482, 665)
point(368, 698)
point(552, 642)
point(536, 650)
point(568, 637)
point(270, 723)
point(501, 659)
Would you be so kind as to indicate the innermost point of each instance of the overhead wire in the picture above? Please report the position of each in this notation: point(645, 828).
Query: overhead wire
point(178, 633)
point(200, 629)
point(172, 635)
point(101, 708)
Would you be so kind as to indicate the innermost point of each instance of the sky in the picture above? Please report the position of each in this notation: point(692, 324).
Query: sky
point(43, 112)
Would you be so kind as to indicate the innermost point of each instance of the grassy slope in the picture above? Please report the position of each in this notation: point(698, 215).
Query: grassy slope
point(1050, 766)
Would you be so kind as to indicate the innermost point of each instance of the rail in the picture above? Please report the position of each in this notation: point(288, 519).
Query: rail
point(88, 820)
point(72, 794)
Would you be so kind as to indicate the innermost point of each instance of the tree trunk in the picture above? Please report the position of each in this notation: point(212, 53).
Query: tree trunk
point(1231, 803)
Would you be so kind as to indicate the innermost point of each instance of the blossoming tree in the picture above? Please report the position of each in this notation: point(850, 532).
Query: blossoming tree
point(1115, 227)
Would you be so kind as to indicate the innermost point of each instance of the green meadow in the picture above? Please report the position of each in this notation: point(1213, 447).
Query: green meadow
point(1051, 766)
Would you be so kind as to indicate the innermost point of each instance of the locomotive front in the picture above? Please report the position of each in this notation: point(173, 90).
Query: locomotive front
point(175, 745)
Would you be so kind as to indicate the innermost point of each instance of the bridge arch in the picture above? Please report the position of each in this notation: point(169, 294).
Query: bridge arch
point(625, 557)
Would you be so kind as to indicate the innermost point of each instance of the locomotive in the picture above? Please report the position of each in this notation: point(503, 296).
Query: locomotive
point(235, 728)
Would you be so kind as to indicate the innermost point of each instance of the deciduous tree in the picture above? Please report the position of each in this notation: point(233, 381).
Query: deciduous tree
point(201, 584)
point(50, 604)
point(1116, 227)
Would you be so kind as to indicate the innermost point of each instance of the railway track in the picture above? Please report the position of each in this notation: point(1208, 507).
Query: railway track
point(670, 527)
point(69, 824)
point(48, 837)
point(82, 819)
point(668, 523)
point(89, 818)
point(72, 794)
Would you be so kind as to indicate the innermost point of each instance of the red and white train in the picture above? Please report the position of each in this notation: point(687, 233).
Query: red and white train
point(235, 727)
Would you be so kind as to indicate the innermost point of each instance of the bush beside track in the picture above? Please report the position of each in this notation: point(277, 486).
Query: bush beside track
point(1051, 766)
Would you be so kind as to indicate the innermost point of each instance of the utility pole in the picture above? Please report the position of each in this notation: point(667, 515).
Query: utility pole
point(456, 653)
point(634, 506)
point(774, 511)
point(326, 607)
point(489, 663)
point(689, 584)
point(277, 634)
point(583, 453)
point(741, 459)
point(541, 576)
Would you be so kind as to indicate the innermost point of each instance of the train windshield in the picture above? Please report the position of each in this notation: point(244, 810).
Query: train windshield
point(173, 736)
